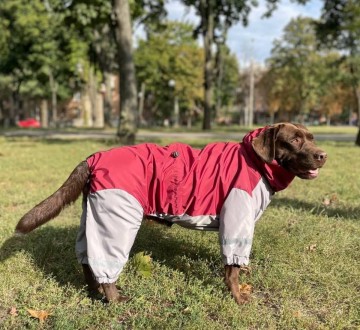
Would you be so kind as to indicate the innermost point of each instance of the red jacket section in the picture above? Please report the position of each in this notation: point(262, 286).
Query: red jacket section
point(178, 179)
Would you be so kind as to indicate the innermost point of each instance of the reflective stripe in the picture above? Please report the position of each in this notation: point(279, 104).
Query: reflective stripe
point(237, 222)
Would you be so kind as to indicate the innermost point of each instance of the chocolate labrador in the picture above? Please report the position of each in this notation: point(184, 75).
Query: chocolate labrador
point(226, 186)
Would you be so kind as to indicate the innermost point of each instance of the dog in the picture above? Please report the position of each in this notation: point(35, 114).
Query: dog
point(226, 186)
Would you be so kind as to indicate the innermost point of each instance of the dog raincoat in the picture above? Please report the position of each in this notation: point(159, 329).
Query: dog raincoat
point(224, 187)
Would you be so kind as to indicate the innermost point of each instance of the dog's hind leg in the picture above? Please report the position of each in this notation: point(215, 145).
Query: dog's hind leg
point(93, 285)
point(106, 235)
point(232, 282)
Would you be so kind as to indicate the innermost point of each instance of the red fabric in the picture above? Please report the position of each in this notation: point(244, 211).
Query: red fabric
point(277, 176)
point(196, 182)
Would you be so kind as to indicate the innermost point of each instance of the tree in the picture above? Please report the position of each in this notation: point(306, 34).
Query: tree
point(128, 90)
point(340, 28)
point(216, 17)
point(170, 55)
point(34, 56)
point(294, 64)
point(115, 19)
point(301, 76)
point(227, 78)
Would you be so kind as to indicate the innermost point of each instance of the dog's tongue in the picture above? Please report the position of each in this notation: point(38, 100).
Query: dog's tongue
point(313, 173)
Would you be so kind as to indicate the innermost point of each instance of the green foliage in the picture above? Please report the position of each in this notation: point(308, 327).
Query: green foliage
point(170, 54)
point(296, 56)
point(142, 264)
point(224, 11)
point(339, 26)
point(229, 82)
point(37, 44)
point(148, 12)
point(300, 76)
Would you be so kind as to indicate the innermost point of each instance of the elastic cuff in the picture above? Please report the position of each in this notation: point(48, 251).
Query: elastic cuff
point(106, 280)
point(236, 260)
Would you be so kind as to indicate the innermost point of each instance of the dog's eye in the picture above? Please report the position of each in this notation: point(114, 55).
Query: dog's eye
point(296, 140)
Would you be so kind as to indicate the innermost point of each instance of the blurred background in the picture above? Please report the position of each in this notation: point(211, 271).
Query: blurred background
point(179, 64)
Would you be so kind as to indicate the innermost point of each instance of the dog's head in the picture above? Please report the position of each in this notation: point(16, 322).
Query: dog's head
point(293, 147)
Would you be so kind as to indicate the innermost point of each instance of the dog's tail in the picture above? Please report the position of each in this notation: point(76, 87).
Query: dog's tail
point(52, 206)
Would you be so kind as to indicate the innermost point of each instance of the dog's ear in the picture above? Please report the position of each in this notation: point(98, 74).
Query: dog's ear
point(264, 144)
point(300, 126)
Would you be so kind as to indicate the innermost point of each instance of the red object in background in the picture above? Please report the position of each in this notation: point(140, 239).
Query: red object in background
point(30, 122)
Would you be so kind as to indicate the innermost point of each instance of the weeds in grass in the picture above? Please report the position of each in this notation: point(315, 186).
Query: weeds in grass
point(304, 264)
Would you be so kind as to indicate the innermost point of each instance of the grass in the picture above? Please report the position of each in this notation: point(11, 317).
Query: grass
point(305, 257)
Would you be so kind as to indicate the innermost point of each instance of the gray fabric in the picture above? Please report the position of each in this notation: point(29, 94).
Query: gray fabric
point(111, 219)
point(199, 222)
point(109, 225)
point(237, 222)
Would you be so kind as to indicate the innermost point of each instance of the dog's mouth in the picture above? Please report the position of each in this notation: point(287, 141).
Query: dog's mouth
point(310, 174)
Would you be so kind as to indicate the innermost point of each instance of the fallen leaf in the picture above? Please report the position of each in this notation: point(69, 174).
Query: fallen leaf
point(41, 315)
point(311, 248)
point(297, 314)
point(327, 201)
point(13, 311)
point(187, 310)
point(142, 264)
point(245, 289)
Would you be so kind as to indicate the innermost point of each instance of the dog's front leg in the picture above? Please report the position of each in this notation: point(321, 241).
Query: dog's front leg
point(112, 293)
point(110, 290)
point(232, 282)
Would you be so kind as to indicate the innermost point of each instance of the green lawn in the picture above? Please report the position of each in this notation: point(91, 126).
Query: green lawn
point(305, 259)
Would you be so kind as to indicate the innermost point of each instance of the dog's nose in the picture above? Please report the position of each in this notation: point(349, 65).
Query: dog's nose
point(321, 156)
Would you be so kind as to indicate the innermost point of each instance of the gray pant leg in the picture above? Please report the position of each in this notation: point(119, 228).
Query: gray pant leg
point(81, 243)
point(113, 218)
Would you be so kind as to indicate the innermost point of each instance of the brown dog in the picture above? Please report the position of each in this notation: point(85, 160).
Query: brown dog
point(224, 187)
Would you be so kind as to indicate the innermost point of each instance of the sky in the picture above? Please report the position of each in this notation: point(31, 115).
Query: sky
point(255, 41)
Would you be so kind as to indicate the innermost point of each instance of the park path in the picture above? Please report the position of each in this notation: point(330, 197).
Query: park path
point(143, 135)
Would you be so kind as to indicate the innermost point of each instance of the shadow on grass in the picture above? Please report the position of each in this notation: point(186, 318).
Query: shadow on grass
point(351, 213)
point(53, 250)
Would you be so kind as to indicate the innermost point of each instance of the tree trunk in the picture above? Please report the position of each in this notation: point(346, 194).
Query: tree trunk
point(219, 68)
point(108, 104)
point(44, 118)
point(86, 109)
point(207, 17)
point(357, 93)
point(53, 88)
point(128, 95)
point(219, 77)
point(141, 104)
point(250, 122)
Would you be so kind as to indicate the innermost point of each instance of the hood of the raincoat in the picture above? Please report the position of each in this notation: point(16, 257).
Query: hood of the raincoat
point(277, 177)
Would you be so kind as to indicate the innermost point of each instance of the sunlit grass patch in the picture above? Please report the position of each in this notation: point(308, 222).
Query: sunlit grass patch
point(305, 257)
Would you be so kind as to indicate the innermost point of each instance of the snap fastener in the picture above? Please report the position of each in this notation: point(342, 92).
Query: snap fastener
point(175, 154)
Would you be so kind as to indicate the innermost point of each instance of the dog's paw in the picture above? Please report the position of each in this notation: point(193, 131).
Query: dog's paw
point(243, 299)
point(123, 299)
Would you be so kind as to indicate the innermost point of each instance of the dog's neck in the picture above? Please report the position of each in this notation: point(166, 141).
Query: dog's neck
point(277, 176)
